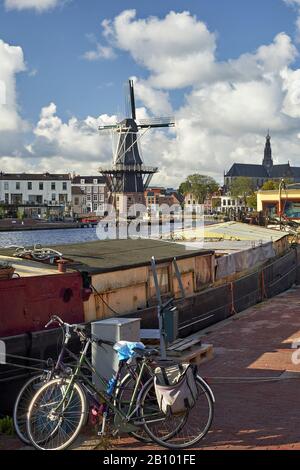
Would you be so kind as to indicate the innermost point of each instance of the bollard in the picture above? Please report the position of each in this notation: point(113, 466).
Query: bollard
point(104, 358)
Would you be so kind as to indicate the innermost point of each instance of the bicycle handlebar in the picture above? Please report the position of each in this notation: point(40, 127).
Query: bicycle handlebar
point(76, 327)
point(55, 319)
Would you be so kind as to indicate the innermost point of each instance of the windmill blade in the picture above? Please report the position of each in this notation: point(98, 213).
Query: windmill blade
point(156, 122)
point(107, 127)
point(132, 99)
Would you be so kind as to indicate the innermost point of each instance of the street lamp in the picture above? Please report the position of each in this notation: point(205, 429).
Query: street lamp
point(282, 185)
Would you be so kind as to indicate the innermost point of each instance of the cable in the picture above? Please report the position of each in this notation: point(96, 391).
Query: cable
point(25, 358)
point(247, 380)
point(19, 366)
point(105, 303)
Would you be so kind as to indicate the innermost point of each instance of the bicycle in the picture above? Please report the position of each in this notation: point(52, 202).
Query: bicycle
point(59, 409)
point(34, 383)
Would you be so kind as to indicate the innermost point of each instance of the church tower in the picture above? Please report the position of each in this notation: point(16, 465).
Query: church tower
point(268, 160)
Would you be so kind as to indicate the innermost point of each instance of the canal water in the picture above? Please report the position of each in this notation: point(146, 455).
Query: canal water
point(62, 236)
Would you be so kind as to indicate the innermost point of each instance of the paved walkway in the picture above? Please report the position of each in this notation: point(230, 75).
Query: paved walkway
point(256, 344)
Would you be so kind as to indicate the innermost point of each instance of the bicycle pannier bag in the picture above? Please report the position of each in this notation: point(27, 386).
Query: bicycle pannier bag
point(176, 388)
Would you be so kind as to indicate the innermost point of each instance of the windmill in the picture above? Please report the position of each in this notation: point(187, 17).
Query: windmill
point(128, 177)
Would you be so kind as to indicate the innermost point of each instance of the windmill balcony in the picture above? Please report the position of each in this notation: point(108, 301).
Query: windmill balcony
point(120, 167)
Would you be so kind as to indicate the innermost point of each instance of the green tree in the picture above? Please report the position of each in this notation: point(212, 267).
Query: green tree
point(200, 186)
point(252, 201)
point(242, 187)
point(20, 214)
point(270, 185)
point(216, 202)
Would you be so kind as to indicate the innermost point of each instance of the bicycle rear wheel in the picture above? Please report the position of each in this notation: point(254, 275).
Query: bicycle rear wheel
point(177, 431)
point(22, 404)
point(56, 415)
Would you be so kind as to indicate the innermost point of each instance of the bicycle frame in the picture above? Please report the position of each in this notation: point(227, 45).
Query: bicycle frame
point(104, 398)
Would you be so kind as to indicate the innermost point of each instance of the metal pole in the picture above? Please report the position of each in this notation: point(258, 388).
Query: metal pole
point(162, 337)
point(178, 275)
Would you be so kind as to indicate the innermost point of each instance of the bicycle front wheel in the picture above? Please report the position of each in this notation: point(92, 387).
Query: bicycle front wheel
point(177, 431)
point(56, 415)
point(123, 402)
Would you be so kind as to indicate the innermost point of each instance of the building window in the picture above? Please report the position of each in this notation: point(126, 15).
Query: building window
point(224, 202)
point(41, 186)
point(95, 181)
point(233, 203)
point(82, 181)
point(52, 186)
point(95, 197)
point(17, 185)
point(101, 197)
point(6, 187)
point(29, 185)
point(64, 186)
point(88, 197)
point(6, 198)
point(76, 201)
point(53, 196)
point(89, 189)
point(95, 207)
point(82, 188)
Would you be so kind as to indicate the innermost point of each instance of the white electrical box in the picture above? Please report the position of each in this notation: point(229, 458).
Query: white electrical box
point(104, 358)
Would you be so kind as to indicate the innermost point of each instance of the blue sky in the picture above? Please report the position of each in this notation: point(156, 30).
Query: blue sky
point(54, 42)
point(227, 69)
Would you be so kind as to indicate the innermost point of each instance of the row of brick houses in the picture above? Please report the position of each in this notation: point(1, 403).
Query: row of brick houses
point(57, 195)
point(48, 194)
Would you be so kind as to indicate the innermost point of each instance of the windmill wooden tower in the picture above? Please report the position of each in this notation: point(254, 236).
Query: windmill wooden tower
point(128, 177)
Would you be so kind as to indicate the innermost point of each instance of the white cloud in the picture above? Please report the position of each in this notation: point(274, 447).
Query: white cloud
point(156, 101)
point(38, 5)
point(296, 4)
point(101, 52)
point(12, 62)
point(178, 50)
point(292, 2)
point(72, 140)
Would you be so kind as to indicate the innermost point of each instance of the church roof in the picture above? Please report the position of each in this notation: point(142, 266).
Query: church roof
point(248, 170)
point(280, 171)
point(296, 171)
point(259, 171)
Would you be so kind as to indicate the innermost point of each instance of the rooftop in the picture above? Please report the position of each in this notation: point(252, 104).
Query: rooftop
point(110, 255)
point(88, 179)
point(33, 176)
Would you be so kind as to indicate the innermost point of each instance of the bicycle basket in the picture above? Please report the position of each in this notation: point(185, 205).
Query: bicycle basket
point(176, 388)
